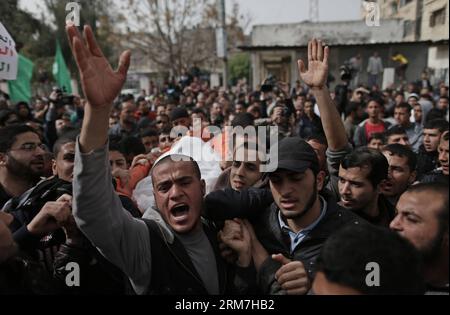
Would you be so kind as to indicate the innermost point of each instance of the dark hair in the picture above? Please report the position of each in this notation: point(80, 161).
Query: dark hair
point(394, 130)
point(241, 103)
point(149, 132)
point(399, 93)
point(378, 100)
point(25, 104)
point(197, 110)
point(8, 135)
point(378, 136)
point(445, 136)
point(243, 120)
point(444, 97)
point(132, 145)
point(441, 189)
point(66, 138)
point(347, 253)
point(303, 94)
point(404, 105)
point(400, 150)
point(365, 157)
point(435, 113)
point(165, 131)
point(352, 107)
point(319, 138)
point(114, 144)
point(439, 124)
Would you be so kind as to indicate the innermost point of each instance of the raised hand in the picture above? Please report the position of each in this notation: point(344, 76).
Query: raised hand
point(101, 84)
point(316, 74)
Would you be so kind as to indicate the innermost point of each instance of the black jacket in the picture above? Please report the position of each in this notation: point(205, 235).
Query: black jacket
point(268, 231)
point(435, 176)
point(97, 274)
point(173, 272)
point(4, 197)
point(426, 162)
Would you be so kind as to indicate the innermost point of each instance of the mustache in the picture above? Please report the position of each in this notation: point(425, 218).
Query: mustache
point(38, 159)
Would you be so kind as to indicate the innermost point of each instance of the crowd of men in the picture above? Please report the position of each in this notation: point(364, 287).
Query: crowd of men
point(361, 180)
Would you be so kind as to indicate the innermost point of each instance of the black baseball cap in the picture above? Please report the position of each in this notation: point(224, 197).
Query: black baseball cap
point(296, 155)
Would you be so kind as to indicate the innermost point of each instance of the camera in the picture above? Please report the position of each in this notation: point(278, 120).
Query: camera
point(62, 98)
point(269, 84)
point(345, 72)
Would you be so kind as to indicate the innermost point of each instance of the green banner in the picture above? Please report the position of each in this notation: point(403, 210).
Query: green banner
point(60, 72)
point(20, 89)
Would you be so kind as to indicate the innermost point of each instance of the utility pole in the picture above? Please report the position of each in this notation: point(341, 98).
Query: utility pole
point(221, 38)
point(314, 11)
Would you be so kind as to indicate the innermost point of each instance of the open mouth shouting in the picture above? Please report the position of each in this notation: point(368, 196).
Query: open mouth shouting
point(179, 213)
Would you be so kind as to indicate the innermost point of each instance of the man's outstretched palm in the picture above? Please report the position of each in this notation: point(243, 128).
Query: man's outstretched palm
point(316, 74)
point(101, 84)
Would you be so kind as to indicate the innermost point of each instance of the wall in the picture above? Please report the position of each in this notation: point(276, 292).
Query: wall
point(437, 32)
point(438, 61)
point(417, 53)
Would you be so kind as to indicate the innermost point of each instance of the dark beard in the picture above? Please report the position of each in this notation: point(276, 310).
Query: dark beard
point(433, 250)
point(21, 170)
point(308, 205)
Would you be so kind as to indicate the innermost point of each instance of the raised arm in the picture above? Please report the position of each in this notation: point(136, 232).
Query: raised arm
point(101, 84)
point(316, 77)
point(97, 209)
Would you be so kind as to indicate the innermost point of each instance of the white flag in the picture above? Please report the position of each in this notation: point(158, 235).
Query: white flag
point(8, 55)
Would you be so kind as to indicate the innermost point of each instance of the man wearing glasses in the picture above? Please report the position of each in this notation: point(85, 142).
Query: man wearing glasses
point(21, 161)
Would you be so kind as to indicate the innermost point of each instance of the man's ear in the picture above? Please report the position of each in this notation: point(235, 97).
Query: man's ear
point(381, 186)
point(54, 167)
point(412, 177)
point(320, 180)
point(3, 159)
point(203, 187)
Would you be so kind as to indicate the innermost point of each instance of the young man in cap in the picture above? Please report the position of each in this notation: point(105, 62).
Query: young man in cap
point(292, 228)
point(297, 219)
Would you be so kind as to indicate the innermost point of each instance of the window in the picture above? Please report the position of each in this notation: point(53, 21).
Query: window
point(437, 17)
point(394, 7)
point(408, 28)
point(404, 2)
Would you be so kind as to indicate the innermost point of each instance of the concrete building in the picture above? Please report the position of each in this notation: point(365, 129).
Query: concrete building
point(435, 24)
point(275, 49)
point(424, 20)
point(409, 11)
point(419, 29)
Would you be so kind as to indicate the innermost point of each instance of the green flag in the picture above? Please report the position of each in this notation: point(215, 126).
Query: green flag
point(20, 89)
point(60, 72)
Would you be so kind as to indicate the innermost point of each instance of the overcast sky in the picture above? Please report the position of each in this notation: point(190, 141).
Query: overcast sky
point(270, 11)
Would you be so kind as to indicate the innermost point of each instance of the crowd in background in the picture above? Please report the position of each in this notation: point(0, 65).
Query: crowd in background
point(379, 158)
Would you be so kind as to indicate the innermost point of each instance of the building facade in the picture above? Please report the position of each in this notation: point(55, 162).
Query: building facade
point(275, 49)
